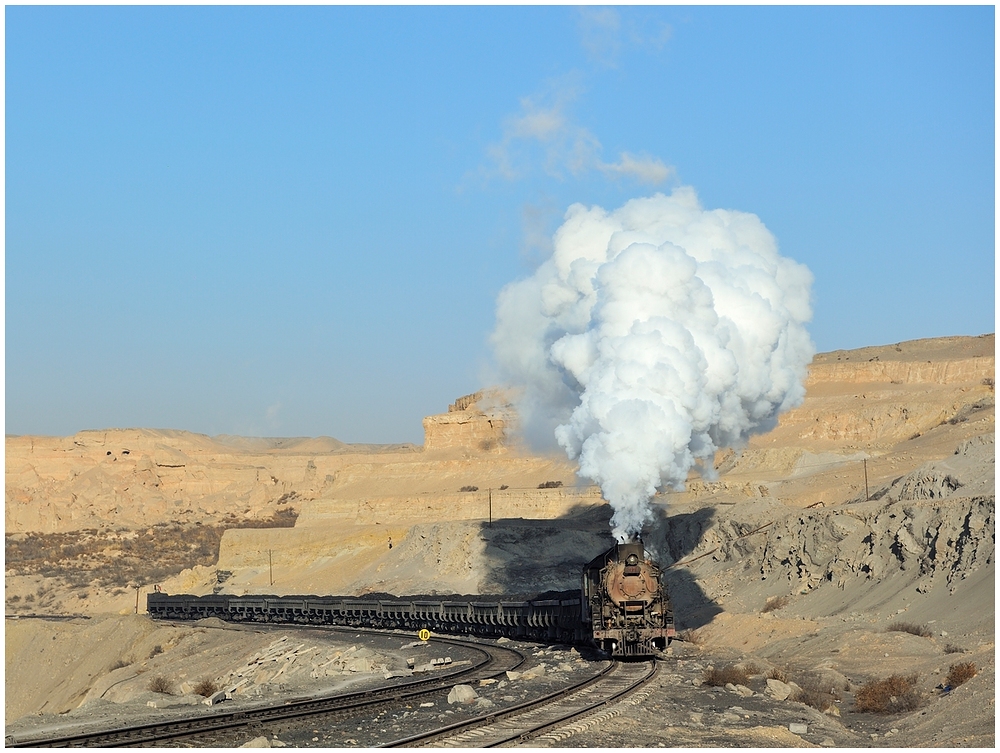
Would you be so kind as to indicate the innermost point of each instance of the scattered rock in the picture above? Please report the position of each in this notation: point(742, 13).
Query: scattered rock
point(258, 742)
point(358, 664)
point(778, 689)
point(797, 728)
point(436, 664)
point(462, 694)
point(534, 673)
point(217, 697)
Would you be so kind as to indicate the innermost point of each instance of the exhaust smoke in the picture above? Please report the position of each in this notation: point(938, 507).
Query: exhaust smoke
point(654, 335)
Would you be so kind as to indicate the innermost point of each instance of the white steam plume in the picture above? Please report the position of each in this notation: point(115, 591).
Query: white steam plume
point(654, 335)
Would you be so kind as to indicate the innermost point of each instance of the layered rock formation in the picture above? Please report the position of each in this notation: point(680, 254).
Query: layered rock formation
point(874, 501)
point(871, 422)
point(477, 422)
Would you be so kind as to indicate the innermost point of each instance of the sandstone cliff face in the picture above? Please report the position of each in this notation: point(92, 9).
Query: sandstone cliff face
point(863, 401)
point(876, 397)
point(483, 504)
point(139, 477)
point(477, 422)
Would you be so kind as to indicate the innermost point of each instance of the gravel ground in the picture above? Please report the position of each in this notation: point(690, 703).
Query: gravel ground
point(546, 670)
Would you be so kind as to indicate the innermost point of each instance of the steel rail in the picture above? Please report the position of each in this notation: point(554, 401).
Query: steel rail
point(299, 708)
point(514, 723)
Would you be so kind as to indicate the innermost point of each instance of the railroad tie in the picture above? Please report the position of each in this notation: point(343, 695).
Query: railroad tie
point(562, 733)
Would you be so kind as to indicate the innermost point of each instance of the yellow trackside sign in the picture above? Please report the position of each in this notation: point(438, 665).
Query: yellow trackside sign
point(424, 634)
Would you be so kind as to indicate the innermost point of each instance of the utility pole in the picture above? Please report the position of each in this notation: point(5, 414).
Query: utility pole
point(867, 496)
point(137, 587)
point(270, 566)
point(491, 507)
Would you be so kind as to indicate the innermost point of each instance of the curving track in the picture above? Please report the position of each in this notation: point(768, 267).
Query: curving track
point(527, 720)
point(219, 729)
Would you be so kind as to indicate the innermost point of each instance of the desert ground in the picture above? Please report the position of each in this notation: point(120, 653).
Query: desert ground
point(853, 543)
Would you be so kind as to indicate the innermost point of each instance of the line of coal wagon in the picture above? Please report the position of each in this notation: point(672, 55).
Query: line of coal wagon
point(622, 607)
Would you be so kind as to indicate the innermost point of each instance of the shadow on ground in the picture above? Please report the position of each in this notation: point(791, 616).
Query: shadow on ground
point(528, 557)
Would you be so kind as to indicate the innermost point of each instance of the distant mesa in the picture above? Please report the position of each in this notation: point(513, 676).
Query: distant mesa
point(479, 421)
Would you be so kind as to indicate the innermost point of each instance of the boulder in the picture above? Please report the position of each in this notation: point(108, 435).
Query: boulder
point(534, 672)
point(215, 698)
point(462, 694)
point(778, 689)
point(257, 742)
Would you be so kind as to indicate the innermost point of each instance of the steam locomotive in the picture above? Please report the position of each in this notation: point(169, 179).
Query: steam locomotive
point(623, 608)
point(625, 602)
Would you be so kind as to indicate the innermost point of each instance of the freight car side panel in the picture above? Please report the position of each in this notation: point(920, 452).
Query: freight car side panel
point(541, 620)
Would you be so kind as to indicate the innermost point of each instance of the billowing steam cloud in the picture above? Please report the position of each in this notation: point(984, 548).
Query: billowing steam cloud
point(654, 335)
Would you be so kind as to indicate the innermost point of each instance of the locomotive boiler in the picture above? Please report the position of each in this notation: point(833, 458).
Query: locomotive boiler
point(625, 603)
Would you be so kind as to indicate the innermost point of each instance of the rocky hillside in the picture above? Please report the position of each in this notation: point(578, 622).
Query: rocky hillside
point(854, 541)
point(874, 416)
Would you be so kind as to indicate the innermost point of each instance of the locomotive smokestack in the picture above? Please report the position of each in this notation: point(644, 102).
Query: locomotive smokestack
point(653, 336)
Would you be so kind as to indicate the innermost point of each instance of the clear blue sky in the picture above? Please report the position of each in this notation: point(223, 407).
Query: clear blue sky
point(295, 221)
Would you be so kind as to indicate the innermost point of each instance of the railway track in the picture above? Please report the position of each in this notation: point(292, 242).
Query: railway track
point(220, 729)
point(527, 720)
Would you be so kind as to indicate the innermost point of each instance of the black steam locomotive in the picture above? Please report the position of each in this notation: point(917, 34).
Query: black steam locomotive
point(623, 608)
point(625, 603)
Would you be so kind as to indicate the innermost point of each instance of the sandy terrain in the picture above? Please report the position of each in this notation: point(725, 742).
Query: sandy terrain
point(871, 504)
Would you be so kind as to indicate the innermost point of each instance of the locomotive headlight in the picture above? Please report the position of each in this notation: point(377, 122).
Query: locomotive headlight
point(632, 560)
